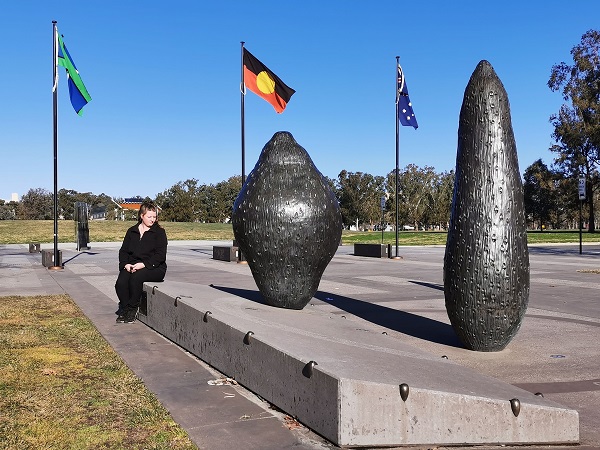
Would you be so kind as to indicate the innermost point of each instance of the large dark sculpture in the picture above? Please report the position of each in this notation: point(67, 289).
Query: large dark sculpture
point(486, 266)
point(287, 223)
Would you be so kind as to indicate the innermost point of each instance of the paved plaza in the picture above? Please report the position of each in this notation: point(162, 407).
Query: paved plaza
point(556, 352)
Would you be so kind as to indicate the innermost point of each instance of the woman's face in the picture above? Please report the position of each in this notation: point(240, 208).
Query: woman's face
point(148, 218)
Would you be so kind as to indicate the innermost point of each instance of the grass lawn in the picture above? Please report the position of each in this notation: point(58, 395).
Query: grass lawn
point(439, 237)
point(63, 387)
point(26, 231)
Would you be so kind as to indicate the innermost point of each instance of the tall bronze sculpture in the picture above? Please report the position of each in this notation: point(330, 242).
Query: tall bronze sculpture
point(486, 265)
point(287, 222)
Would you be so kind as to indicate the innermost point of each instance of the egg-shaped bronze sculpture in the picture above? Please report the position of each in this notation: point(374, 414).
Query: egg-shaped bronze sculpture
point(287, 223)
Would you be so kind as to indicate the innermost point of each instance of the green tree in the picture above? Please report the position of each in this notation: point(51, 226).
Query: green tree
point(359, 195)
point(8, 211)
point(577, 124)
point(565, 211)
point(36, 204)
point(225, 194)
point(207, 199)
point(442, 199)
point(181, 202)
point(417, 190)
point(539, 194)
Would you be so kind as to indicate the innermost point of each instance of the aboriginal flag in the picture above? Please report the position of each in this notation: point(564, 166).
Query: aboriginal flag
point(264, 83)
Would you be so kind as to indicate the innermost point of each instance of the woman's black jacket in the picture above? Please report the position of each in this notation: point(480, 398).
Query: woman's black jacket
point(151, 249)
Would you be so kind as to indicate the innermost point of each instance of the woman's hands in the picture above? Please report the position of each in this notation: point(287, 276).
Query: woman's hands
point(134, 267)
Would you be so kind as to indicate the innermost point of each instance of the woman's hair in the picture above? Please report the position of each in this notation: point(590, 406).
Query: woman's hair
point(145, 207)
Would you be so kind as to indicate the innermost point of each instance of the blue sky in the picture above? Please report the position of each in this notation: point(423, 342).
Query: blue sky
point(164, 79)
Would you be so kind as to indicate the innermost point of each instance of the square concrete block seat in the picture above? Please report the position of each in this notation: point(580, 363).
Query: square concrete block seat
point(225, 253)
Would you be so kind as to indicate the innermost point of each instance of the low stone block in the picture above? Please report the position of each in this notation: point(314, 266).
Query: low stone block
point(48, 258)
point(372, 250)
point(225, 253)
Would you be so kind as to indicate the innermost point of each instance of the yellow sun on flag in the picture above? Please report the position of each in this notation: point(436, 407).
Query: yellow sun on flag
point(265, 83)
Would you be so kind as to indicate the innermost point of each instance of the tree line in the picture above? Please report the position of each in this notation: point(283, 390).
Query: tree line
point(424, 200)
point(551, 193)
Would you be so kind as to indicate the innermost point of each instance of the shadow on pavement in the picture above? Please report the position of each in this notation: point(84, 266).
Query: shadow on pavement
point(439, 287)
point(248, 294)
point(393, 319)
point(80, 253)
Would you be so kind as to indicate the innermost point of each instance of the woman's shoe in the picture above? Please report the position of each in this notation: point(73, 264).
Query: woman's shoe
point(130, 316)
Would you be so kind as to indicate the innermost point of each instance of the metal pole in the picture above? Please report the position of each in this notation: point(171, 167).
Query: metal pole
point(243, 89)
point(382, 227)
point(580, 225)
point(241, 259)
point(55, 266)
point(397, 151)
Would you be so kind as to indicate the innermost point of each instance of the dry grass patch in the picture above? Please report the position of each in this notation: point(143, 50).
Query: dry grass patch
point(26, 231)
point(63, 387)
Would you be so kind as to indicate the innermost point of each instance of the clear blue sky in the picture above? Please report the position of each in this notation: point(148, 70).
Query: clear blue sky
point(164, 79)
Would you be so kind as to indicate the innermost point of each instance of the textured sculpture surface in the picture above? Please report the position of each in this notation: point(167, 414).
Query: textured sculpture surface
point(486, 265)
point(287, 223)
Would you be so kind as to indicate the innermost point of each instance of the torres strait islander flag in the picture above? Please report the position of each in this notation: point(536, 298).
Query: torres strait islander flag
point(264, 83)
point(77, 91)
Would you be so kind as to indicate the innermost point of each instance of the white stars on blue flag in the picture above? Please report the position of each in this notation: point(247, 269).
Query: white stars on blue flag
point(406, 115)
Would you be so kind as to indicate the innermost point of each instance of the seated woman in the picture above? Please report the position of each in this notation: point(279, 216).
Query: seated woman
point(142, 258)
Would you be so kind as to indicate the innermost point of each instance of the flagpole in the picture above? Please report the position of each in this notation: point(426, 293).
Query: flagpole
point(242, 90)
point(241, 259)
point(397, 150)
point(55, 266)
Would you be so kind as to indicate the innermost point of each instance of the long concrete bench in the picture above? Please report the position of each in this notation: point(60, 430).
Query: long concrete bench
point(355, 388)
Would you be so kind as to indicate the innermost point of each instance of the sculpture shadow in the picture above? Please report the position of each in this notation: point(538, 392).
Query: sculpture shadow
point(438, 287)
point(248, 294)
point(201, 250)
point(393, 319)
point(396, 320)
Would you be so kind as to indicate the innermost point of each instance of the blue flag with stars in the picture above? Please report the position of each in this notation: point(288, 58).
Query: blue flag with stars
point(406, 115)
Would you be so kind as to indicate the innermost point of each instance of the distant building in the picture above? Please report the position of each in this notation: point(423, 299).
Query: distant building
point(134, 204)
point(98, 212)
point(14, 197)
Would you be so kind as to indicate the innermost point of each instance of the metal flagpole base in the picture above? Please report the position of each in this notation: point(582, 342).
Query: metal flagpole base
point(55, 268)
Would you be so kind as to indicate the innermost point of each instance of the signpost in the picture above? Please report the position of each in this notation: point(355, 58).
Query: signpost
point(581, 199)
point(582, 188)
